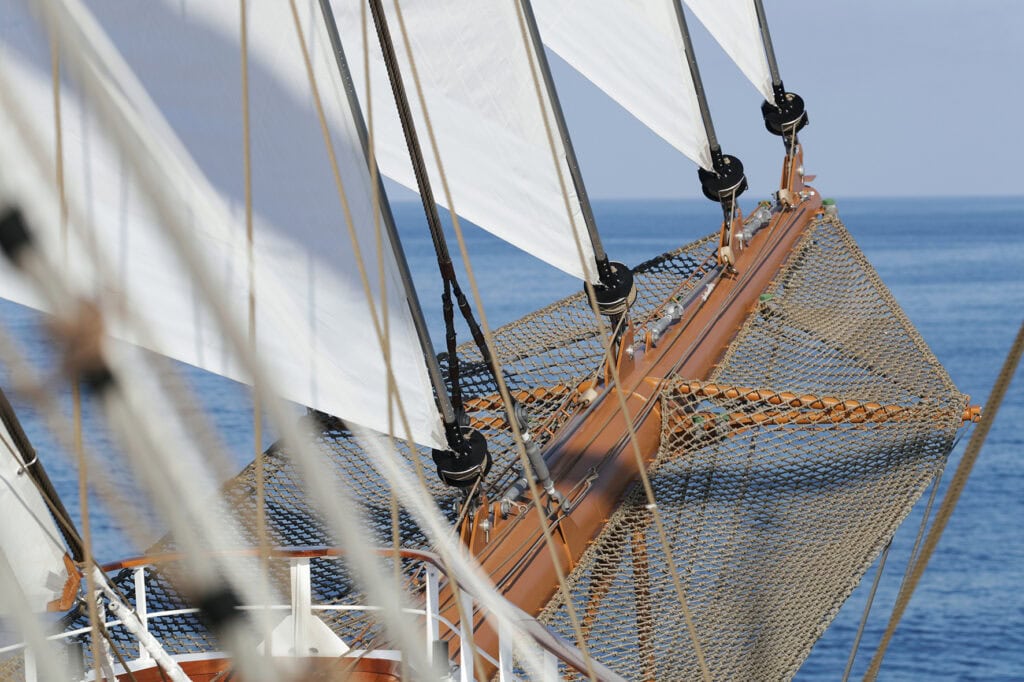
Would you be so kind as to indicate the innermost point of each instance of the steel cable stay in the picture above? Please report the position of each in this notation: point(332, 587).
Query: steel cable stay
point(951, 498)
point(379, 210)
point(467, 458)
point(867, 611)
point(925, 516)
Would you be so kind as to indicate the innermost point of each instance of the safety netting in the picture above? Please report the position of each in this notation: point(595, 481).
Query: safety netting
point(779, 479)
point(546, 356)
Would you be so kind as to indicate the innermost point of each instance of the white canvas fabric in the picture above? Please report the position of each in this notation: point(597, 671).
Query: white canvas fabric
point(28, 534)
point(474, 67)
point(314, 327)
point(633, 51)
point(734, 25)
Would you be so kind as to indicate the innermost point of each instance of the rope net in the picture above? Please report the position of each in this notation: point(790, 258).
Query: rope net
point(556, 349)
point(779, 478)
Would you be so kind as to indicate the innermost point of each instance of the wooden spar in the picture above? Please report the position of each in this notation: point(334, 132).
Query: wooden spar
point(598, 438)
point(823, 408)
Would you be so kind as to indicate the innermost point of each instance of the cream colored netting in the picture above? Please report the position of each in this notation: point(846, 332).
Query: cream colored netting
point(777, 496)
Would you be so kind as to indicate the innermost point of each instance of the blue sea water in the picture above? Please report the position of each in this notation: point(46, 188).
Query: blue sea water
point(957, 268)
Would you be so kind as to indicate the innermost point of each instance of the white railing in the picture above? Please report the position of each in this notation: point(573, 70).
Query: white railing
point(303, 633)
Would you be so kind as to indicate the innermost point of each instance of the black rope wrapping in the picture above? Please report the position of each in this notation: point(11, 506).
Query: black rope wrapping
point(452, 288)
point(454, 432)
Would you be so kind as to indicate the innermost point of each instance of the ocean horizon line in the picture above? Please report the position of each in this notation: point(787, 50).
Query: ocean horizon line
point(838, 197)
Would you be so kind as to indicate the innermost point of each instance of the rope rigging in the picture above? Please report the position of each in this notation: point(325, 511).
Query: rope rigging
point(467, 459)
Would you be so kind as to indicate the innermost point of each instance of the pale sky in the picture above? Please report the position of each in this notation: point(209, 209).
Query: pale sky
point(905, 97)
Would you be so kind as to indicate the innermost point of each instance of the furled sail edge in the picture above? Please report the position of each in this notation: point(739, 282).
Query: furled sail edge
point(333, 501)
point(735, 27)
point(28, 533)
point(633, 52)
point(305, 300)
point(489, 125)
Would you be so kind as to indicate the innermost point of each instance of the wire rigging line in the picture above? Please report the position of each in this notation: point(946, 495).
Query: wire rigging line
point(949, 502)
point(867, 611)
point(444, 261)
point(922, 527)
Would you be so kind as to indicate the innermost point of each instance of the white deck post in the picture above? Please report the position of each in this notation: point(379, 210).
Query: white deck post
point(30, 666)
point(505, 654)
point(466, 654)
point(140, 608)
point(107, 664)
point(433, 631)
point(302, 600)
point(550, 672)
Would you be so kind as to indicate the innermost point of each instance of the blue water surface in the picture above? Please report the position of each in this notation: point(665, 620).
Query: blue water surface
point(957, 268)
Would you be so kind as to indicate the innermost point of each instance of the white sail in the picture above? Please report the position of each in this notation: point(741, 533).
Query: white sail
point(634, 52)
point(733, 23)
point(314, 326)
point(483, 104)
point(28, 533)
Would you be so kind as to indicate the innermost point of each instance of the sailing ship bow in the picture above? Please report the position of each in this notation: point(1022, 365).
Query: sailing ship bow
point(716, 475)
